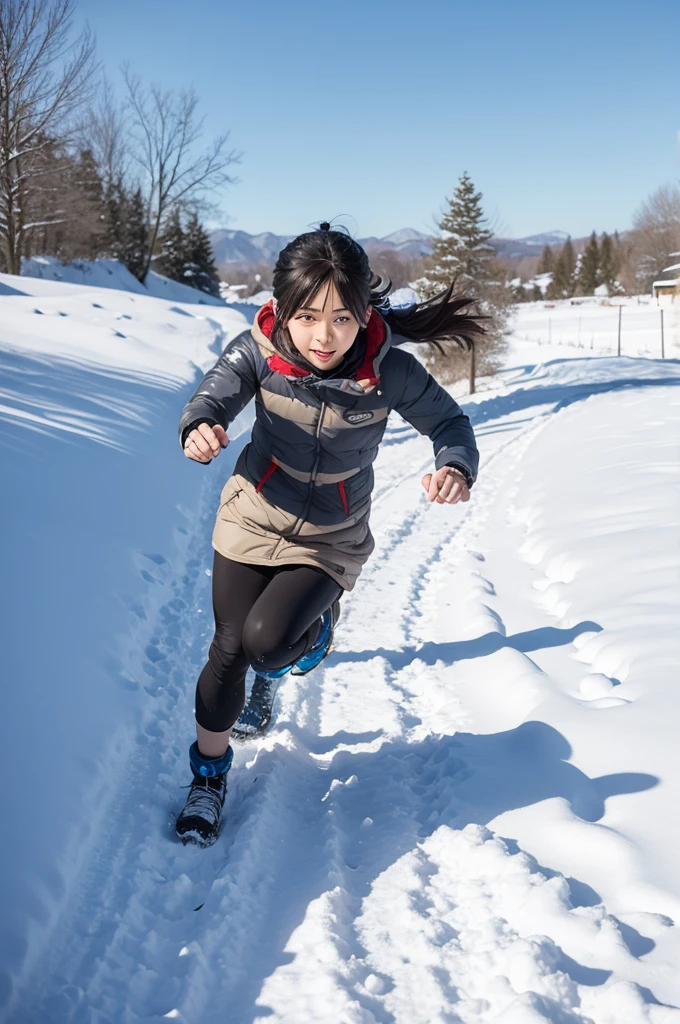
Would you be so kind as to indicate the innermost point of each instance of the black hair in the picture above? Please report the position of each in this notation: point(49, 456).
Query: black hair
point(317, 257)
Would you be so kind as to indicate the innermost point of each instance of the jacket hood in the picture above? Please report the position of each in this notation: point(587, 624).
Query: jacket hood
point(378, 339)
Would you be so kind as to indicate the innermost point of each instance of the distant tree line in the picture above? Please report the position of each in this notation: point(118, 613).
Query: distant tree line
point(577, 274)
point(627, 264)
point(85, 176)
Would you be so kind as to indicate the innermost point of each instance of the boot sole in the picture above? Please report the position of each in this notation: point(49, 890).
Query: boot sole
point(195, 839)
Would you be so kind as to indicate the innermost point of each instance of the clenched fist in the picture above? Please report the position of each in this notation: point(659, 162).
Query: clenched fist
point(204, 442)
point(446, 486)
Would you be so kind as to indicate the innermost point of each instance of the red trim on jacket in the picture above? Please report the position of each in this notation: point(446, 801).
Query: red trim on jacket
point(341, 488)
point(270, 469)
point(375, 335)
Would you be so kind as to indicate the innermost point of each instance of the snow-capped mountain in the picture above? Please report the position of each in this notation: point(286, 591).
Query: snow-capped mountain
point(235, 246)
point(547, 238)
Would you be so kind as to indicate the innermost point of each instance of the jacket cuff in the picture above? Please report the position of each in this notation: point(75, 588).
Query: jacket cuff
point(462, 469)
point(464, 458)
point(190, 426)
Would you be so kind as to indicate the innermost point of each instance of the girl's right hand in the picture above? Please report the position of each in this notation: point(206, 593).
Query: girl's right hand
point(204, 442)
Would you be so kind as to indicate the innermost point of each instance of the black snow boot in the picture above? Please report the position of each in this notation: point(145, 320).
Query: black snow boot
point(257, 713)
point(199, 820)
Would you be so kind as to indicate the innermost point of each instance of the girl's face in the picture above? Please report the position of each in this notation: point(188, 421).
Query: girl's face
point(324, 331)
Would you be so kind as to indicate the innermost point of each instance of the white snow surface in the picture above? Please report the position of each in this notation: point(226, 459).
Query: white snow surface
point(112, 274)
point(467, 814)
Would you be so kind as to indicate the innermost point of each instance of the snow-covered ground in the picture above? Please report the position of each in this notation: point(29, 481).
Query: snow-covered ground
point(467, 814)
point(112, 274)
point(591, 326)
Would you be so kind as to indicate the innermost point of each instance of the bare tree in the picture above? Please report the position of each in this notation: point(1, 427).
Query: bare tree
point(102, 130)
point(656, 234)
point(79, 231)
point(42, 84)
point(165, 131)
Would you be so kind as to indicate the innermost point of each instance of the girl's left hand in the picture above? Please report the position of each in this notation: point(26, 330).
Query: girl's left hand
point(446, 485)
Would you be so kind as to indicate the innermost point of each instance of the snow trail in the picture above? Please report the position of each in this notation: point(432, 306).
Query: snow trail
point(389, 849)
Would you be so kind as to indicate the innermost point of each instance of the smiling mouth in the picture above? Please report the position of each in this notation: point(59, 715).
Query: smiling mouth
point(323, 355)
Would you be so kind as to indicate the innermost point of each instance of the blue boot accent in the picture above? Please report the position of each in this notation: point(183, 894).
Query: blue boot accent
point(318, 652)
point(315, 654)
point(275, 673)
point(208, 767)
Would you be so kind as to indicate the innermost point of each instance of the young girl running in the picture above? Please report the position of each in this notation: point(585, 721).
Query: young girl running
point(292, 534)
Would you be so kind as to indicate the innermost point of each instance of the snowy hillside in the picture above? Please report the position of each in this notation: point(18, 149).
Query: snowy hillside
point(112, 274)
point(467, 814)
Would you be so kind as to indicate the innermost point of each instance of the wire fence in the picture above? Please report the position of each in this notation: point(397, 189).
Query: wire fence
point(623, 329)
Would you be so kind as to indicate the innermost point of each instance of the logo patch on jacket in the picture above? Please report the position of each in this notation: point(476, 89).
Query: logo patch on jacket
point(358, 417)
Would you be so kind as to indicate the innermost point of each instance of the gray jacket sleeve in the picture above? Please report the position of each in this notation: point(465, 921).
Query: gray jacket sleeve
point(427, 406)
point(226, 389)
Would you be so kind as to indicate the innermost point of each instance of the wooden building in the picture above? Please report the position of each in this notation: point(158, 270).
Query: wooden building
point(668, 283)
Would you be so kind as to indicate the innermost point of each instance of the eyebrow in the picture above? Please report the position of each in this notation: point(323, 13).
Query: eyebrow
point(343, 309)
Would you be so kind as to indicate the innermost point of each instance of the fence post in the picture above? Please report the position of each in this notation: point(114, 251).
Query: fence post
point(663, 354)
point(619, 338)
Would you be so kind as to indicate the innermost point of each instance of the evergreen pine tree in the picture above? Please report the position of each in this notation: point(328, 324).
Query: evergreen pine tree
point(462, 251)
point(462, 254)
point(588, 273)
point(126, 228)
point(547, 262)
point(569, 265)
point(135, 236)
point(173, 245)
point(562, 284)
point(114, 202)
point(608, 264)
point(199, 268)
point(92, 218)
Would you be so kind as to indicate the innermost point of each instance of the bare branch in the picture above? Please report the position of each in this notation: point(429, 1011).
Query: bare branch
point(166, 130)
point(43, 79)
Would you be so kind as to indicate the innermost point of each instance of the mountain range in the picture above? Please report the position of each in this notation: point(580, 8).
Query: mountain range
point(240, 247)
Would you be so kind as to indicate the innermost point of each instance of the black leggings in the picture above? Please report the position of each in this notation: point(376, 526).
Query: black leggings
point(265, 617)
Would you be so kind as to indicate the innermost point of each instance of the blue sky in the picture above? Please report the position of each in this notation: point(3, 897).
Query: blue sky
point(566, 116)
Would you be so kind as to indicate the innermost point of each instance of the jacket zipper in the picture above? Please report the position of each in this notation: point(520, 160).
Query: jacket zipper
point(315, 468)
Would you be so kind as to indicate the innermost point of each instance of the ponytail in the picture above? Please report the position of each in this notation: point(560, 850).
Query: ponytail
point(443, 317)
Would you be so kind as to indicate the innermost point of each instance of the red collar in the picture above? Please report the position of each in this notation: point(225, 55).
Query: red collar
point(375, 335)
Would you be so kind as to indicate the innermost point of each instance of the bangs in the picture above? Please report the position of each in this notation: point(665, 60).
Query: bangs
point(307, 286)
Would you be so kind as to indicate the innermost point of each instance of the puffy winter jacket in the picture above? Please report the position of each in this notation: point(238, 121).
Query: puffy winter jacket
point(314, 440)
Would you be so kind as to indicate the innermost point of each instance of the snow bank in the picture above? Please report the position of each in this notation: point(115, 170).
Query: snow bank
point(112, 274)
point(102, 501)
